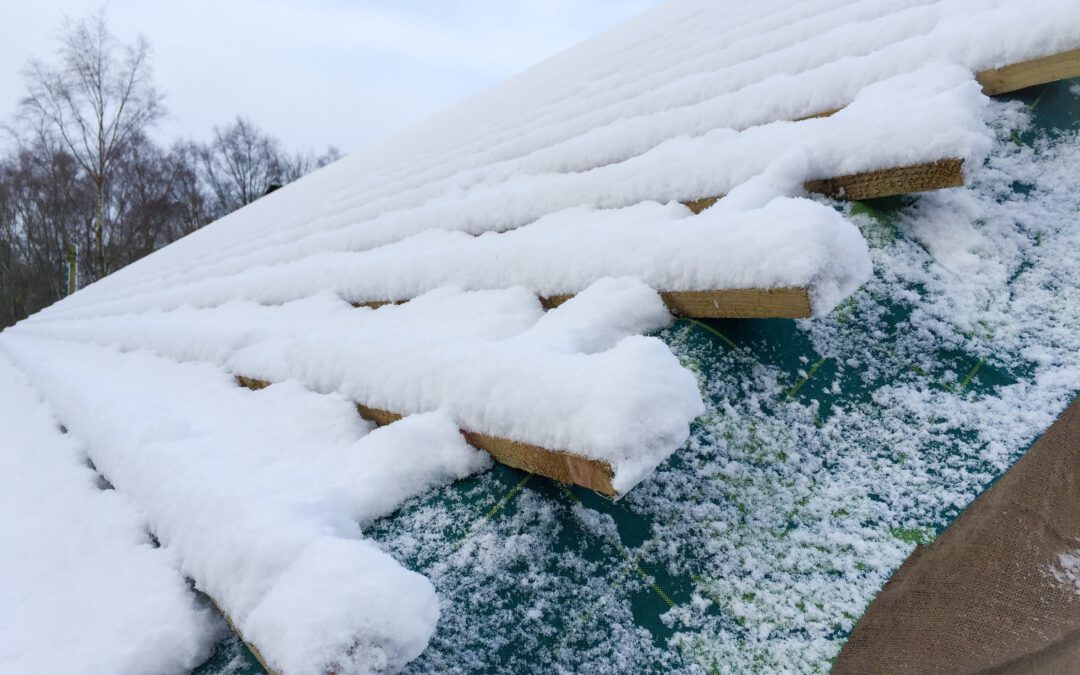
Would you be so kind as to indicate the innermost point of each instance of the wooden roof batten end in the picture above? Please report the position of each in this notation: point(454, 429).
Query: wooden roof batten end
point(724, 303)
point(252, 383)
point(937, 175)
point(565, 467)
point(899, 180)
point(728, 303)
point(1043, 70)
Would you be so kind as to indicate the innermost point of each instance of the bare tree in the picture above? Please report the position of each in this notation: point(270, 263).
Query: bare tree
point(97, 101)
point(303, 163)
point(239, 165)
point(42, 212)
point(192, 202)
point(83, 173)
point(242, 163)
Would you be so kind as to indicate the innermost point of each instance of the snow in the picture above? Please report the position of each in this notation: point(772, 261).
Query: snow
point(1067, 571)
point(578, 378)
point(567, 180)
point(787, 243)
point(262, 496)
point(563, 252)
point(83, 587)
point(669, 75)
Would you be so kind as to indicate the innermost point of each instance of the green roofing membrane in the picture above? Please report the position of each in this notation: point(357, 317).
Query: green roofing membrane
point(829, 449)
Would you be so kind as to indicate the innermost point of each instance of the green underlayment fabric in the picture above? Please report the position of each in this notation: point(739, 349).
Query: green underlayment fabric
point(829, 450)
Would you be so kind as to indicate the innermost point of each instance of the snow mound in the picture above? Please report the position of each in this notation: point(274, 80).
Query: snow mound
point(250, 490)
point(78, 566)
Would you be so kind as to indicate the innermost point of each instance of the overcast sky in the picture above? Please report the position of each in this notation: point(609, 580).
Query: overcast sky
point(315, 73)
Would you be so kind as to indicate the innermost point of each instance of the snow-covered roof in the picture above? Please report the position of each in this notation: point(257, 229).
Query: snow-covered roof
point(570, 180)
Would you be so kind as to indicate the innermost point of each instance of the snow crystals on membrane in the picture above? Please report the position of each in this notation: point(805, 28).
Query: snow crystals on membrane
point(564, 180)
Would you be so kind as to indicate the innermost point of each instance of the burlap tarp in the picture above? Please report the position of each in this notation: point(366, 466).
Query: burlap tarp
point(984, 598)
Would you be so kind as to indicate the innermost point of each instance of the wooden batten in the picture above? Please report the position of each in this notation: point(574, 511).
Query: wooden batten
point(565, 467)
point(1010, 78)
point(252, 383)
point(735, 303)
point(944, 173)
point(699, 205)
point(1030, 73)
point(900, 180)
point(731, 303)
point(375, 304)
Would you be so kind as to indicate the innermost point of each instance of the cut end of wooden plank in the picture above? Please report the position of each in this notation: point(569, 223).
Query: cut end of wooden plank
point(1030, 73)
point(735, 303)
point(944, 173)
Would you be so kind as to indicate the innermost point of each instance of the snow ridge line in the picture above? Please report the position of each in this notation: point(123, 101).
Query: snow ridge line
point(273, 537)
point(188, 632)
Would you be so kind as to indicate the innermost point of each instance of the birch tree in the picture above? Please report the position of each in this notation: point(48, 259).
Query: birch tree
point(96, 100)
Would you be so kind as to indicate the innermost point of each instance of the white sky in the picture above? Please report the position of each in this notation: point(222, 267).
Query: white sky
point(315, 73)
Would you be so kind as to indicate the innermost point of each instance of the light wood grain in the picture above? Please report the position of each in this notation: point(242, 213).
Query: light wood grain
point(735, 303)
point(699, 205)
point(731, 303)
point(939, 175)
point(252, 383)
point(565, 467)
point(900, 180)
point(1030, 73)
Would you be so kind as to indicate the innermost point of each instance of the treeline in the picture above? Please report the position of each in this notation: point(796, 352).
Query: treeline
point(85, 189)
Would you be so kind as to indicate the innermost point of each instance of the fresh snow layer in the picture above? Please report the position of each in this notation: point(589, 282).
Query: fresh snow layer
point(561, 180)
point(261, 497)
point(579, 378)
point(940, 105)
point(683, 70)
point(83, 588)
point(787, 243)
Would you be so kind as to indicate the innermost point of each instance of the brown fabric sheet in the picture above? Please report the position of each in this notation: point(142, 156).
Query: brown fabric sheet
point(983, 598)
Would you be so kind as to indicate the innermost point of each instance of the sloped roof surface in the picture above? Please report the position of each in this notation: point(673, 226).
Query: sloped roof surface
point(568, 182)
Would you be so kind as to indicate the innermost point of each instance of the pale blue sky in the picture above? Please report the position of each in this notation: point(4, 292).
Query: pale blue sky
point(319, 72)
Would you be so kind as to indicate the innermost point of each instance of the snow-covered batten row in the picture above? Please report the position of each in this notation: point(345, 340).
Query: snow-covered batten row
point(940, 105)
point(568, 174)
point(83, 587)
point(818, 59)
point(786, 244)
point(577, 380)
point(261, 499)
